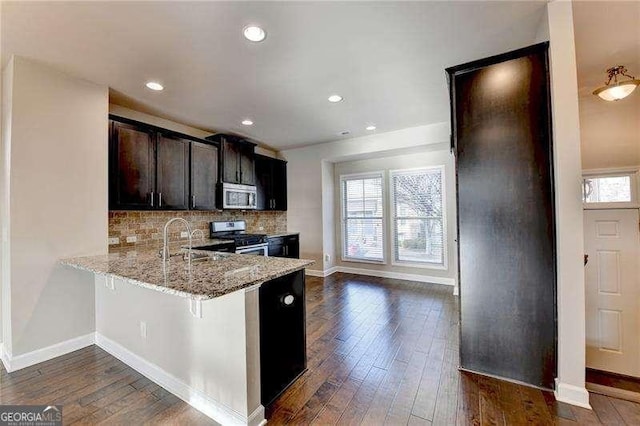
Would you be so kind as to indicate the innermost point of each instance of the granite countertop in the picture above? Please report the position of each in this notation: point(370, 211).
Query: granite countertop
point(220, 274)
point(282, 234)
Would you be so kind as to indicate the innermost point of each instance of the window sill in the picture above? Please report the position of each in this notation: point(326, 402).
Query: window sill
point(425, 265)
point(372, 262)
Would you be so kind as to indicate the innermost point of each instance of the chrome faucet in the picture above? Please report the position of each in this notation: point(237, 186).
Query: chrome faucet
point(165, 246)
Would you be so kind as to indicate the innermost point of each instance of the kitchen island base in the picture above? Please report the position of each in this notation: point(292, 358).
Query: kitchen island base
point(204, 351)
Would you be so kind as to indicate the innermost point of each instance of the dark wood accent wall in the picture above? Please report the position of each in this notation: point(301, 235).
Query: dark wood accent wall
point(501, 122)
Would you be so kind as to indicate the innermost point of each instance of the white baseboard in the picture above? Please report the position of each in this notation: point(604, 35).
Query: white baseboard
point(396, 275)
point(4, 357)
point(197, 399)
point(321, 274)
point(571, 394)
point(15, 363)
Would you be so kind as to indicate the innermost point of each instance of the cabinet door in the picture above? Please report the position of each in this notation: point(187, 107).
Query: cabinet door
point(204, 176)
point(292, 245)
point(247, 165)
point(264, 199)
point(277, 247)
point(283, 354)
point(230, 162)
point(132, 152)
point(279, 179)
point(172, 172)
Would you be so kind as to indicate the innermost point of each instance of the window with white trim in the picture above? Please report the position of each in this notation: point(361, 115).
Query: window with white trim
point(362, 217)
point(610, 189)
point(417, 210)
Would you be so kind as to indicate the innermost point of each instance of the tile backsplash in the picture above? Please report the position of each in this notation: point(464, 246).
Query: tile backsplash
point(147, 226)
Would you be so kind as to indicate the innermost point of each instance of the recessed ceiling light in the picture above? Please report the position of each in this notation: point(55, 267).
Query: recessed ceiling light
point(154, 85)
point(247, 122)
point(371, 127)
point(335, 98)
point(254, 33)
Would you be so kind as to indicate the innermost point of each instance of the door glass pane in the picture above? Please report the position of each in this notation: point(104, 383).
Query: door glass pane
point(611, 189)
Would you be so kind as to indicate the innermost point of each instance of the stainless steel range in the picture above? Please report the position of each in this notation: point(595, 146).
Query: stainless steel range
point(244, 243)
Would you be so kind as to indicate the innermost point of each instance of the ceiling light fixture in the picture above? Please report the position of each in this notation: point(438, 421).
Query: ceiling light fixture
point(616, 90)
point(154, 85)
point(371, 127)
point(335, 98)
point(254, 33)
point(247, 122)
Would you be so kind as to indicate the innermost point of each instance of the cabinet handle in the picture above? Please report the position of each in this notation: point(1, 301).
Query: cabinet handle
point(151, 198)
point(237, 176)
point(240, 176)
point(193, 201)
point(159, 199)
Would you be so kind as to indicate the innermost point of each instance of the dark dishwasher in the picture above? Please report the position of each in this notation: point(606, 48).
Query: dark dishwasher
point(282, 334)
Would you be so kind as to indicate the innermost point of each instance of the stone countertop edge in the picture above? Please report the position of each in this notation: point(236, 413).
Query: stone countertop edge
point(282, 234)
point(185, 294)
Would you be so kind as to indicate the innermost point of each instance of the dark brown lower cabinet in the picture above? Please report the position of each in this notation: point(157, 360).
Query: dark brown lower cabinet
point(502, 141)
point(283, 353)
point(285, 246)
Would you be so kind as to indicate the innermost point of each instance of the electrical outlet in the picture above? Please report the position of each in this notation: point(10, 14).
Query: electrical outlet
point(132, 239)
point(261, 228)
point(184, 234)
point(143, 329)
point(327, 257)
point(114, 240)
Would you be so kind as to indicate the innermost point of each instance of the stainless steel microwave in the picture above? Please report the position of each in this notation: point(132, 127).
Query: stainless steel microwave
point(242, 197)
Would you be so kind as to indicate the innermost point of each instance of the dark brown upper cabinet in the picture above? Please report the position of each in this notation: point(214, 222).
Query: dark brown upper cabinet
point(204, 176)
point(237, 162)
point(172, 180)
point(271, 183)
point(154, 168)
point(132, 167)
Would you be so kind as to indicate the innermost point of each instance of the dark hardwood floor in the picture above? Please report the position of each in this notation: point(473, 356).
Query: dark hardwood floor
point(380, 351)
point(96, 388)
point(385, 351)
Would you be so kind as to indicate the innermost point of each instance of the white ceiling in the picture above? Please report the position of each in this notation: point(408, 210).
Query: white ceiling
point(386, 58)
point(607, 33)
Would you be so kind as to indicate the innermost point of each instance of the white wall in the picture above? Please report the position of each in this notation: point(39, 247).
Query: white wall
point(434, 155)
point(121, 111)
point(55, 151)
point(5, 329)
point(570, 385)
point(305, 185)
point(217, 354)
point(610, 131)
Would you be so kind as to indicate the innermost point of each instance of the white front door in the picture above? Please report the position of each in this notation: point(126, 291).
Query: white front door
point(612, 241)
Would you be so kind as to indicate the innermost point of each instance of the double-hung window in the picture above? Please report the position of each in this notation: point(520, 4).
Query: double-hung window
point(417, 216)
point(362, 217)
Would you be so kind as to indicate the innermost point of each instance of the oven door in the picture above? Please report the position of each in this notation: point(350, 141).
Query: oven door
point(258, 250)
